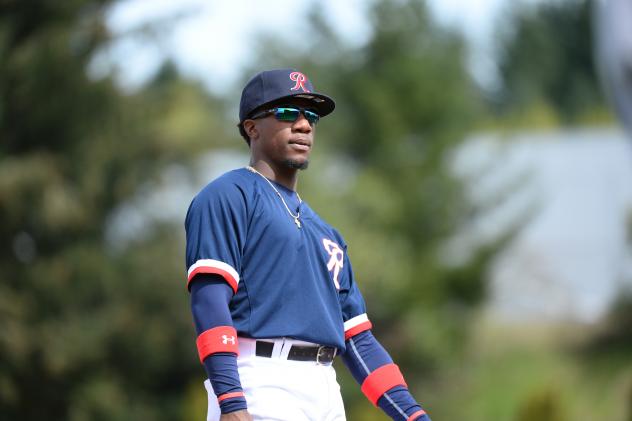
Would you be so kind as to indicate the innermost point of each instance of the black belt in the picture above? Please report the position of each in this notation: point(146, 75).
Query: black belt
point(319, 354)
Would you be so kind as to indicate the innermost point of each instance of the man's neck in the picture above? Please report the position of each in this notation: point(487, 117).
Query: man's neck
point(287, 177)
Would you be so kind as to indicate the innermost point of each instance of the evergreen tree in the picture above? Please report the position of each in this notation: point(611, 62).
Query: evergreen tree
point(546, 56)
point(88, 332)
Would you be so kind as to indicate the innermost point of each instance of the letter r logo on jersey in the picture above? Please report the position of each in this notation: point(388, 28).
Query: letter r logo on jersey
point(336, 259)
point(226, 339)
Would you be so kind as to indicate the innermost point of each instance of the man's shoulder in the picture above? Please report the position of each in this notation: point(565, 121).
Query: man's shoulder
point(231, 181)
point(235, 183)
point(222, 201)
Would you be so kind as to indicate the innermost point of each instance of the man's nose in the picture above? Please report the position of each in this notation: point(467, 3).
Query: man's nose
point(301, 124)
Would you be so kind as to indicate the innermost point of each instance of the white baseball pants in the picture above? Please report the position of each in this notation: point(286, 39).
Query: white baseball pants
point(278, 389)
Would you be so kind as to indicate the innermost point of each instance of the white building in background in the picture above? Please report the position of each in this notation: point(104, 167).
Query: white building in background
point(572, 190)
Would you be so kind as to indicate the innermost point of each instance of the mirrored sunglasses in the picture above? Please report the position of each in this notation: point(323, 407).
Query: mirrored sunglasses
point(289, 114)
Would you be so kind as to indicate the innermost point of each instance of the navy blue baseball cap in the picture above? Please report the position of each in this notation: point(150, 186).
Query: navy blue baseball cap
point(279, 84)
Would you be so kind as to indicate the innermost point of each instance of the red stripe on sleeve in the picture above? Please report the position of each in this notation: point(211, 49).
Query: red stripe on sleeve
point(229, 396)
point(381, 380)
point(357, 329)
point(416, 414)
point(217, 271)
point(217, 339)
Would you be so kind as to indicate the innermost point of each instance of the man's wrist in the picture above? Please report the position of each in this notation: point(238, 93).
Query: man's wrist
point(232, 405)
point(242, 415)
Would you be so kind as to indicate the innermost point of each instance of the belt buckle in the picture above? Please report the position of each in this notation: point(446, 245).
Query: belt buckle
point(318, 355)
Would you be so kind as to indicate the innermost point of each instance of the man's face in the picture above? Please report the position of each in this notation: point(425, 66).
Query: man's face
point(284, 143)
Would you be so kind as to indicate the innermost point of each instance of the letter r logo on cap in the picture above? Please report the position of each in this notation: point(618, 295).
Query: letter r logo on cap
point(300, 80)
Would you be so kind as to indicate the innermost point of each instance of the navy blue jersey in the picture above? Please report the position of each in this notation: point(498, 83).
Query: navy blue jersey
point(288, 282)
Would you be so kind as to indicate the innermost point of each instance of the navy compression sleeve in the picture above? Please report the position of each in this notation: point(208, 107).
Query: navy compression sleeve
point(365, 355)
point(210, 296)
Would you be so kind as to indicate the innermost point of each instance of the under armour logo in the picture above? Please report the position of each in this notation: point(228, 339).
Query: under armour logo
point(226, 339)
point(336, 259)
point(300, 80)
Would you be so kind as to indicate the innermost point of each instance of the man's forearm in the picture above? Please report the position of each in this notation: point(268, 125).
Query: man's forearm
point(210, 296)
point(381, 381)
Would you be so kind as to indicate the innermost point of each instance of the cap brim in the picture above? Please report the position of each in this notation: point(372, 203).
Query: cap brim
point(323, 104)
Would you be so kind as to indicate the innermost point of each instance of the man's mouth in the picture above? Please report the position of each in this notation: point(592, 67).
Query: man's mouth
point(300, 144)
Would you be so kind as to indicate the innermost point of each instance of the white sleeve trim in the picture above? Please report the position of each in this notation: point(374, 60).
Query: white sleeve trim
point(211, 263)
point(355, 321)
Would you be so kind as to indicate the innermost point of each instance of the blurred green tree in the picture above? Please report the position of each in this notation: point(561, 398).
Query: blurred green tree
point(405, 102)
point(546, 59)
point(545, 405)
point(88, 332)
point(628, 416)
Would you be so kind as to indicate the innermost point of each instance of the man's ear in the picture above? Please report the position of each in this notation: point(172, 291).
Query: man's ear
point(250, 127)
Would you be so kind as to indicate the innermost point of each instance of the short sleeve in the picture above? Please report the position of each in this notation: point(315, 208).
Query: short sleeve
point(351, 301)
point(215, 228)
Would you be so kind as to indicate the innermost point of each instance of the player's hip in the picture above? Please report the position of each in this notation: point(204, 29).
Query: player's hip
point(278, 388)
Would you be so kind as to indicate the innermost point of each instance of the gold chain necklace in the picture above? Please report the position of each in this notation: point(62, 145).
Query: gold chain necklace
point(298, 213)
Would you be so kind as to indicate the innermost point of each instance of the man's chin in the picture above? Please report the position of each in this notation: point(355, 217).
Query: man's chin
point(296, 165)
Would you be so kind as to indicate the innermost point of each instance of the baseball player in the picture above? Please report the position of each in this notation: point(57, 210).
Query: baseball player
point(273, 294)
